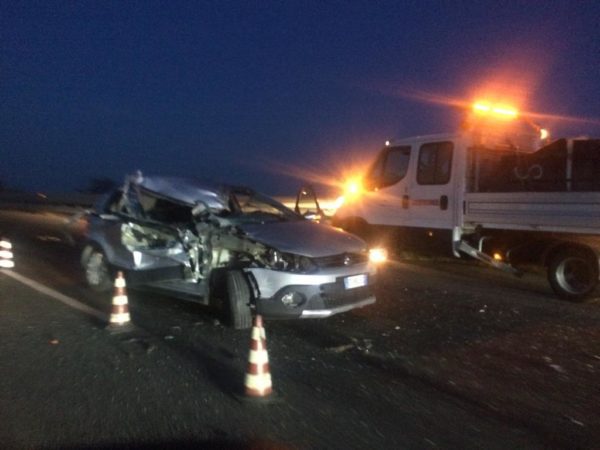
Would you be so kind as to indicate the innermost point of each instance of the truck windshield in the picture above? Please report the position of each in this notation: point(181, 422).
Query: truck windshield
point(389, 168)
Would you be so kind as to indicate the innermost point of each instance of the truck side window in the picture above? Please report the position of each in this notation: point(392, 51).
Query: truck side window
point(390, 167)
point(435, 163)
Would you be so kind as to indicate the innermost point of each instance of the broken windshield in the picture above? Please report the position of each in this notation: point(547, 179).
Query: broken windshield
point(250, 207)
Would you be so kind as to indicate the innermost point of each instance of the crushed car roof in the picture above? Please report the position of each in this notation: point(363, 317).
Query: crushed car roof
point(185, 190)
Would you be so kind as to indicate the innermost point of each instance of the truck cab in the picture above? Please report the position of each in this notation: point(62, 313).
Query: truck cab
point(498, 196)
point(414, 184)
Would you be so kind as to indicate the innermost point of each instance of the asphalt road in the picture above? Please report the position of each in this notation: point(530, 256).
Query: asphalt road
point(452, 355)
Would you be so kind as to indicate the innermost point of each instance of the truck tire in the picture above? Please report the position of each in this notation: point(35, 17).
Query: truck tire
point(98, 272)
point(238, 300)
point(573, 274)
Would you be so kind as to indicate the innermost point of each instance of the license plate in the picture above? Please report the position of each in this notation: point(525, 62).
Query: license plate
point(355, 281)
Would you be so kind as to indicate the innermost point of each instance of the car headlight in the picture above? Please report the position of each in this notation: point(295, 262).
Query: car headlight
point(290, 263)
point(378, 255)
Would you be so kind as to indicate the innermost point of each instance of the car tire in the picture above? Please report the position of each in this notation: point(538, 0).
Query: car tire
point(573, 274)
point(97, 271)
point(238, 300)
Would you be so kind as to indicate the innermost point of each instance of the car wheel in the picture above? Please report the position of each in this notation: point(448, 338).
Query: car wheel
point(573, 274)
point(238, 299)
point(98, 273)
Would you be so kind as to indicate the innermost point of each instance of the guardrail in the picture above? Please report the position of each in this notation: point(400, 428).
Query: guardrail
point(62, 203)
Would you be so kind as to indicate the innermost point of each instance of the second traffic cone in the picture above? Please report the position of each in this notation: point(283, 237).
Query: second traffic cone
point(258, 376)
point(119, 314)
point(6, 254)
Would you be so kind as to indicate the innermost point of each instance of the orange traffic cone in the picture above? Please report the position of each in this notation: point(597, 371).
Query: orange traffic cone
point(258, 377)
point(6, 254)
point(119, 315)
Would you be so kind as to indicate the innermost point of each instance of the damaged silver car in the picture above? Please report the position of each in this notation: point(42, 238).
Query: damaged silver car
point(226, 246)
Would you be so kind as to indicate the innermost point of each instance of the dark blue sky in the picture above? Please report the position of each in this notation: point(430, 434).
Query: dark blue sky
point(238, 91)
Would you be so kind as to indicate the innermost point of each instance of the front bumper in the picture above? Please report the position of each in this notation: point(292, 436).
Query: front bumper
point(321, 295)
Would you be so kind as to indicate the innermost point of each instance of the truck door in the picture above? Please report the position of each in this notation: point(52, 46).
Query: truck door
point(431, 194)
point(386, 185)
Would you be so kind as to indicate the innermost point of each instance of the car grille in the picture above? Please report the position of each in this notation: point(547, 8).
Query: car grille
point(341, 260)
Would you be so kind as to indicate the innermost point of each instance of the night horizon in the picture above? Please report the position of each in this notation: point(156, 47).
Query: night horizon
point(246, 94)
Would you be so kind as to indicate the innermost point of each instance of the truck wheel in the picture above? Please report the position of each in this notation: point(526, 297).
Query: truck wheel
point(238, 299)
point(573, 274)
point(98, 273)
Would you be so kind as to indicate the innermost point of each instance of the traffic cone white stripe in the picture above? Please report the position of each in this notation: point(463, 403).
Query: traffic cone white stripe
point(258, 334)
point(7, 264)
point(119, 300)
point(258, 357)
point(120, 318)
point(120, 282)
point(6, 255)
point(260, 382)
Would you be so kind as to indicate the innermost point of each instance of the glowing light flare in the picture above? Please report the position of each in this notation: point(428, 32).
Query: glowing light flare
point(512, 94)
point(353, 187)
point(378, 255)
point(502, 111)
point(544, 134)
point(497, 256)
point(482, 107)
point(339, 202)
point(505, 111)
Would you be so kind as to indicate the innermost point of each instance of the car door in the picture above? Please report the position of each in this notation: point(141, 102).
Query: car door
point(430, 192)
point(137, 233)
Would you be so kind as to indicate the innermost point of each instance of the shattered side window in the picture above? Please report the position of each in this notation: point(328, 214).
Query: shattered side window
point(131, 204)
point(163, 210)
point(121, 202)
point(114, 204)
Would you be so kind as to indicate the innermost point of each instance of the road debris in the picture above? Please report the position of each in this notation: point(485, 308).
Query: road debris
point(575, 421)
point(558, 368)
point(340, 348)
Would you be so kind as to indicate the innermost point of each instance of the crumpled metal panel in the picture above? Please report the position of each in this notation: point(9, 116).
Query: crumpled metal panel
point(304, 238)
point(185, 190)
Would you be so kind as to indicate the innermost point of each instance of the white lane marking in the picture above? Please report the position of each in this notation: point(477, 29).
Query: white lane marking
point(76, 304)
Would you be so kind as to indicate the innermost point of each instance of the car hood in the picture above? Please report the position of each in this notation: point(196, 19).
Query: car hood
point(304, 238)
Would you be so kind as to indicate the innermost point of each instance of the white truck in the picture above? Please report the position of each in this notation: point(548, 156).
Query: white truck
point(490, 196)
